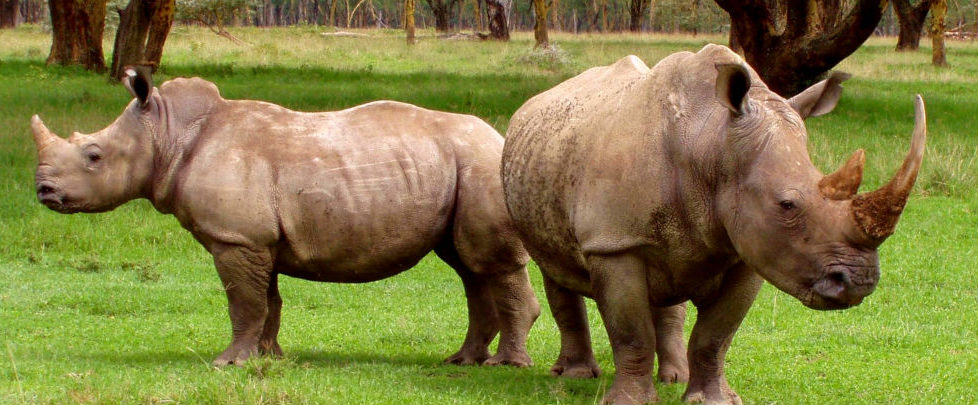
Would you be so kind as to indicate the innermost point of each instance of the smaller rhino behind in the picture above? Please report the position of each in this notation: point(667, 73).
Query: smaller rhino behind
point(350, 196)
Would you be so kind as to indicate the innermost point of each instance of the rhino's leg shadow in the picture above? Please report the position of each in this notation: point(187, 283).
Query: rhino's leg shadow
point(717, 321)
point(669, 345)
point(246, 275)
point(483, 317)
point(268, 343)
point(576, 359)
point(620, 288)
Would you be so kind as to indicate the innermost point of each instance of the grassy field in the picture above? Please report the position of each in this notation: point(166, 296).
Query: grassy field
point(124, 307)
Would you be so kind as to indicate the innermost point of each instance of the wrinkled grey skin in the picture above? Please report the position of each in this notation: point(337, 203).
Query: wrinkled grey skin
point(644, 188)
point(349, 196)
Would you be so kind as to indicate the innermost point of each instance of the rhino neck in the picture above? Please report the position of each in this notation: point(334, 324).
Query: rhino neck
point(173, 146)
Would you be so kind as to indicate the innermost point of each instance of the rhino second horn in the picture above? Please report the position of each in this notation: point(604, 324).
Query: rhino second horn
point(877, 212)
point(844, 183)
point(43, 137)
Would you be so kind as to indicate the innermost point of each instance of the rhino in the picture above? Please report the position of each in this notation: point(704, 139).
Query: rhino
point(690, 181)
point(349, 196)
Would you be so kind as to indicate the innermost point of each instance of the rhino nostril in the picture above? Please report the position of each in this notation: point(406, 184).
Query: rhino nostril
point(45, 189)
point(839, 277)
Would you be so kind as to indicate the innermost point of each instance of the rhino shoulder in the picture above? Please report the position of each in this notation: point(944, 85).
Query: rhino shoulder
point(193, 87)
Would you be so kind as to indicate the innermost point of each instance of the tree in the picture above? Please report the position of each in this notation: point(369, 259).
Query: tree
point(9, 13)
point(215, 14)
point(636, 10)
point(540, 26)
point(937, 28)
point(792, 43)
point(498, 19)
point(409, 20)
point(911, 20)
point(442, 10)
point(143, 28)
point(76, 28)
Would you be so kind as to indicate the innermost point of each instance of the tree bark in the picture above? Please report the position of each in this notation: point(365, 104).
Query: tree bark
point(9, 13)
point(937, 28)
point(911, 20)
point(442, 11)
point(540, 26)
point(498, 19)
point(409, 20)
point(77, 27)
point(140, 21)
point(636, 10)
point(813, 38)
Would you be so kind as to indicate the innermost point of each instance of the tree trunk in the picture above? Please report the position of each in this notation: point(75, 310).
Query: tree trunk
point(814, 37)
point(911, 20)
point(636, 10)
point(33, 11)
point(77, 28)
point(540, 26)
point(139, 21)
point(937, 28)
point(409, 20)
point(9, 13)
point(498, 19)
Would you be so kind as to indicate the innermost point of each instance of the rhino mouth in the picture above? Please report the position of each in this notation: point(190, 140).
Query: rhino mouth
point(842, 286)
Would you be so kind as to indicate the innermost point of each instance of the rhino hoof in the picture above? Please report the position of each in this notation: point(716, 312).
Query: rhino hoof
point(463, 358)
point(511, 359)
point(575, 370)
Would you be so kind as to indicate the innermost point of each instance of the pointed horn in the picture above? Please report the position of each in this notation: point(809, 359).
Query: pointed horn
point(843, 183)
point(43, 137)
point(877, 212)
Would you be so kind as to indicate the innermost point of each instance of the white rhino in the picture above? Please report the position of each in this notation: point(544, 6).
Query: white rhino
point(348, 196)
point(644, 188)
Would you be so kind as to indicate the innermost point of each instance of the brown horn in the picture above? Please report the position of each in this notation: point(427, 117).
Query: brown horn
point(843, 183)
point(42, 135)
point(877, 212)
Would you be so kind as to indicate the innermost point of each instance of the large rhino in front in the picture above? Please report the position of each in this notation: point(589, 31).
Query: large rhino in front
point(348, 196)
point(644, 188)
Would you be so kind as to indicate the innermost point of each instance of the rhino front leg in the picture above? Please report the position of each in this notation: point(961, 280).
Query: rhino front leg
point(673, 366)
point(576, 358)
point(246, 274)
point(620, 288)
point(268, 343)
point(717, 321)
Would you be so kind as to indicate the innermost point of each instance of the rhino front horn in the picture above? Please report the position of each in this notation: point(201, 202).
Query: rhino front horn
point(43, 137)
point(877, 212)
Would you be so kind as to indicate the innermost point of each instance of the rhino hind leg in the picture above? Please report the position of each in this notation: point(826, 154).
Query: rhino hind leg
point(246, 274)
point(576, 359)
point(483, 317)
point(669, 345)
point(268, 342)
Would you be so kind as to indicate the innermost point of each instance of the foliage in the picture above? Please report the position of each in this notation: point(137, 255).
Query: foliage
point(125, 307)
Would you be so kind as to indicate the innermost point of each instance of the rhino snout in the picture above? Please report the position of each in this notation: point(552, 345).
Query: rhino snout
point(844, 286)
point(49, 195)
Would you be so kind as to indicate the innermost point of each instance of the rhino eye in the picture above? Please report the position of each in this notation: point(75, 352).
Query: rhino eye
point(93, 157)
point(787, 205)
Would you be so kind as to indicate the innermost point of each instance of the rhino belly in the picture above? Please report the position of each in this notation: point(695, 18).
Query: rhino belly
point(367, 225)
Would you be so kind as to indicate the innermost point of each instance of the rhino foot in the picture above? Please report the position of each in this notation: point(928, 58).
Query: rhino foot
point(631, 391)
point(580, 369)
point(468, 357)
point(234, 356)
point(266, 348)
point(727, 397)
point(673, 373)
point(512, 358)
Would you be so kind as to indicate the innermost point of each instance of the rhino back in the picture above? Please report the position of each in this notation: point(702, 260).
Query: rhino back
point(354, 195)
point(620, 157)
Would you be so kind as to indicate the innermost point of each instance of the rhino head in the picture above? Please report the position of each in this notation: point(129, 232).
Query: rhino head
point(811, 235)
point(99, 171)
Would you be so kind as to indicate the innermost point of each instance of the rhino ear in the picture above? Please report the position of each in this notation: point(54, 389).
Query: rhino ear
point(821, 98)
point(733, 81)
point(139, 82)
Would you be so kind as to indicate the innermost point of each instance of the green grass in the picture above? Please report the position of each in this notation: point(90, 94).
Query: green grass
point(125, 307)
